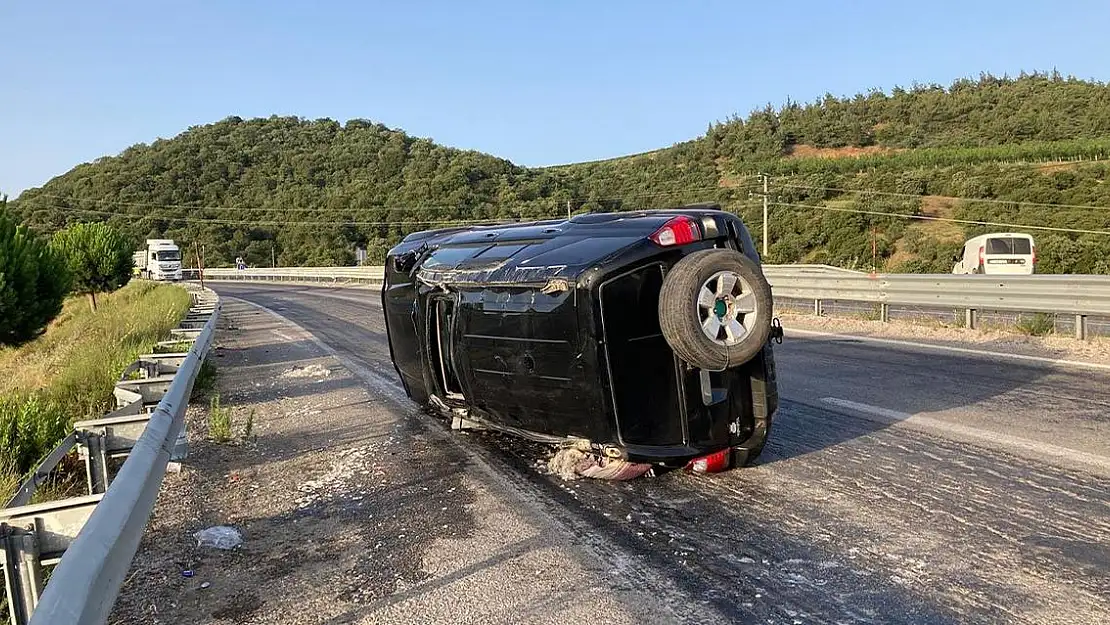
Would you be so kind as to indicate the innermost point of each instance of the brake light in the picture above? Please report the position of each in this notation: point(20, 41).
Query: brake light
point(678, 231)
point(1034, 254)
point(981, 256)
point(713, 463)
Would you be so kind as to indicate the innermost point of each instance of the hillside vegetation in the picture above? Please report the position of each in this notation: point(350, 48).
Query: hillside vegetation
point(896, 180)
point(68, 373)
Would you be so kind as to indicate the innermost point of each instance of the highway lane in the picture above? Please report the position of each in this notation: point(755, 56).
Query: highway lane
point(898, 485)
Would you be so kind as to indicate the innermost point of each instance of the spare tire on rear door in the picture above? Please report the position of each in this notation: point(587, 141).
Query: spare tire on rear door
point(715, 309)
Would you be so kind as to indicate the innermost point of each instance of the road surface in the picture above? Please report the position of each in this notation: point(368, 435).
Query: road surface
point(898, 485)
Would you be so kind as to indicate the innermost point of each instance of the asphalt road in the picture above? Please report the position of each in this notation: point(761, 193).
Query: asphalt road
point(898, 486)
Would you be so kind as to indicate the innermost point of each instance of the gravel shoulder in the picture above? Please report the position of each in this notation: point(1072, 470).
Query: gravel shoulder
point(352, 511)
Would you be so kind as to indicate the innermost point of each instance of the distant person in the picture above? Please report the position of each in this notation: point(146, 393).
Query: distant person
point(240, 264)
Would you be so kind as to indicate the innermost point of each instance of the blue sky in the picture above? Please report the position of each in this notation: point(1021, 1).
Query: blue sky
point(538, 83)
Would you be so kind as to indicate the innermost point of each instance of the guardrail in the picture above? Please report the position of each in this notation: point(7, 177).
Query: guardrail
point(1080, 295)
point(334, 275)
point(93, 538)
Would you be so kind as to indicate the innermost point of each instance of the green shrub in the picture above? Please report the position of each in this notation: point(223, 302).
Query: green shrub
point(98, 258)
point(33, 283)
point(1039, 324)
point(29, 425)
point(219, 421)
point(69, 372)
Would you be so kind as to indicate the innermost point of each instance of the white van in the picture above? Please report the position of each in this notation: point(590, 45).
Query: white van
point(1001, 253)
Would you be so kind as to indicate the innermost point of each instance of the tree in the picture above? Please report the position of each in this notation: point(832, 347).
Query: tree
point(33, 282)
point(97, 256)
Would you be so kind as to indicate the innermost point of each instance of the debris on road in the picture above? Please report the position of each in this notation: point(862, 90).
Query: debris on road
point(219, 537)
point(315, 370)
point(570, 463)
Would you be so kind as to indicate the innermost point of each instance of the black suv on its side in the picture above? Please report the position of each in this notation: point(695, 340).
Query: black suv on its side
point(645, 335)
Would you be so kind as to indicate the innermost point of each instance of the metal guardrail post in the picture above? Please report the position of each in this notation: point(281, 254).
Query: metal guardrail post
point(1081, 327)
point(96, 462)
point(971, 318)
point(22, 571)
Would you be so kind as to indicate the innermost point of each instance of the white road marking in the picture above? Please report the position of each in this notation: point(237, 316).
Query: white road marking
point(285, 336)
point(891, 415)
point(1025, 446)
point(949, 348)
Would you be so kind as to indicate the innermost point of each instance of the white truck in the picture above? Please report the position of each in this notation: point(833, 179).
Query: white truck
point(160, 260)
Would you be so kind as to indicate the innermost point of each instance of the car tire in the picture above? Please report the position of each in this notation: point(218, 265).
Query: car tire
point(715, 309)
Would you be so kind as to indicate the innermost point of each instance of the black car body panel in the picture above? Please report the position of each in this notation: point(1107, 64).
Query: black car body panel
point(550, 330)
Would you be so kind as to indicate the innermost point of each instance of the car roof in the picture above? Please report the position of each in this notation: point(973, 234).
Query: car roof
point(1002, 235)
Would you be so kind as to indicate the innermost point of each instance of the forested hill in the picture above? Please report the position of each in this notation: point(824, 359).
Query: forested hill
point(907, 174)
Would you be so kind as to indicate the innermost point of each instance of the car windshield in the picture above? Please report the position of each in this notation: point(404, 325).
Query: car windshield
point(167, 255)
point(1015, 245)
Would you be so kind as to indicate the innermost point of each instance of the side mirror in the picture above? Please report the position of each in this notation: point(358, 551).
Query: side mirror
point(403, 263)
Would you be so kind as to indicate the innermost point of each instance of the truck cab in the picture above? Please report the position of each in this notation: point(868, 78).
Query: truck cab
point(161, 260)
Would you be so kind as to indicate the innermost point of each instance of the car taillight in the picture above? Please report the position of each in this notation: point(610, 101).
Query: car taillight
point(713, 463)
point(1034, 254)
point(678, 231)
point(981, 256)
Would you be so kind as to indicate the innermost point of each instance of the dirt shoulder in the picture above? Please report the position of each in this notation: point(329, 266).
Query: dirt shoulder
point(1096, 350)
point(352, 511)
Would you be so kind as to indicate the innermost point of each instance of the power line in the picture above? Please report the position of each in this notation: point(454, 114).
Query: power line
point(944, 219)
point(204, 220)
point(372, 206)
point(675, 188)
point(947, 197)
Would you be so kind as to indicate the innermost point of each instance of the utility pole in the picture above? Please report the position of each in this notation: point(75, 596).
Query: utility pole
point(766, 198)
point(568, 209)
point(273, 254)
point(200, 263)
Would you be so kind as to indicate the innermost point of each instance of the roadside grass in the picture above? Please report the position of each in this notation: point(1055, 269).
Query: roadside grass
point(9, 479)
point(1039, 324)
point(219, 421)
point(248, 427)
point(172, 348)
point(206, 379)
point(68, 373)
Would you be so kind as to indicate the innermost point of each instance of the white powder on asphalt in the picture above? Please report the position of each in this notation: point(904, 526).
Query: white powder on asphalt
point(311, 371)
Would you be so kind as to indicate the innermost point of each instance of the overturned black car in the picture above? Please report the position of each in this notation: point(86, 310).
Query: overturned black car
point(643, 336)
